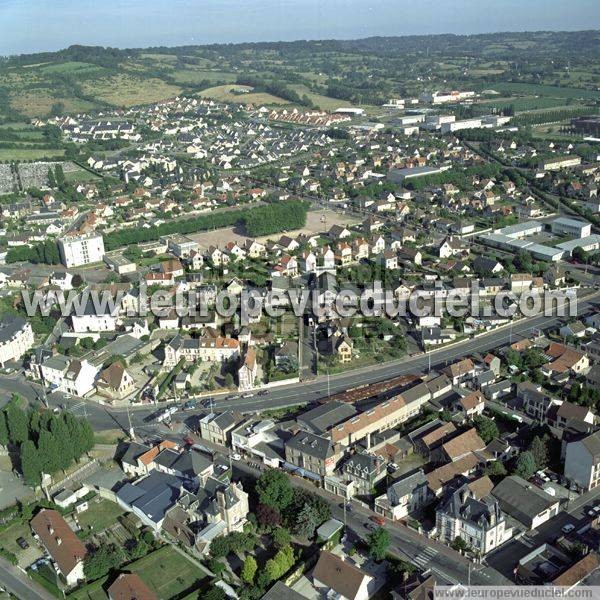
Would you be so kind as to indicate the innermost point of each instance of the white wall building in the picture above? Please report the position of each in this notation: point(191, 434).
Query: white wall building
point(16, 337)
point(79, 250)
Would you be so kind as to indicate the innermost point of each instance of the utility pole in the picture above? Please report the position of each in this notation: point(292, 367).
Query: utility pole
point(131, 430)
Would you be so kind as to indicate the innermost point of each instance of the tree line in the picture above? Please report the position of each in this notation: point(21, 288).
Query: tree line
point(260, 220)
point(42, 441)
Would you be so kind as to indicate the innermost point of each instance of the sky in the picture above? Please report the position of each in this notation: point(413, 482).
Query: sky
point(42, 25)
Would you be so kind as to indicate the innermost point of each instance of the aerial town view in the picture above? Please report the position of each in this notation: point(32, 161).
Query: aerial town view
point(299, 300)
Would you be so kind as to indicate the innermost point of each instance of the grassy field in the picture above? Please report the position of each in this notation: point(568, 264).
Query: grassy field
point(167, 572)
point(81, 176)
point(8, 154)
point(223, 93)
point(128, 90)
point(100, 515)
point(525, 103)
point(323, 102)
point(193, 76)
point(544, 90)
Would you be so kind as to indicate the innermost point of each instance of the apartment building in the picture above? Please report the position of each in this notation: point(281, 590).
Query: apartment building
point(312, 453)
point(16, 338)
point(582, 461)
point(78, 250)
point(210, 349)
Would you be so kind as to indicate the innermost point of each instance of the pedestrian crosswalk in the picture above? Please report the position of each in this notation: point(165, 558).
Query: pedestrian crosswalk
point(424, 557)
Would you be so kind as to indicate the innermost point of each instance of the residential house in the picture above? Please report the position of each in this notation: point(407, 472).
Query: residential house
point(334, 577)
point(115, 382)
point(248, 370)
point(62, 545)
point(129, 586)
point(408, 495)
point(480, 523)
point(217, 427)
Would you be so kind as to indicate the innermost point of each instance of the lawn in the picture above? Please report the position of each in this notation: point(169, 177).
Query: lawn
point(8, 538)
point(81, 175)
point(100, 515)
point(167, 572)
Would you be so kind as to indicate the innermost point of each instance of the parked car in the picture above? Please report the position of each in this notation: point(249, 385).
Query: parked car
point(22, 543)
point(568, 528)
point(378, 520)
point(190, 405)
point(263, 393)
point(236, 456)
point(247, 395)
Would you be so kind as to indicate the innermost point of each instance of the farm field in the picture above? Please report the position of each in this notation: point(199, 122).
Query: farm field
point(545, 90)
point(224, 93)
point(195, 76)
point(127, 90)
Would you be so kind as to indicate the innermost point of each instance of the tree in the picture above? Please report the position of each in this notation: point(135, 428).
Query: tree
point(220, 547)
point(3, 430)
point(17, 421)
point(98, 563)
point(459, 544)
point(249, 569)
point(525, 466)
point(274, 489)
point(268, 516)
point(495, 469)
point(277, 566)
point(307, 520)
point(486, 428)
point(216, 566)
point(281, 537)
point(31, 464)
point(539, 449)
point(50, 452)
point(214, 593)
point(378, 542)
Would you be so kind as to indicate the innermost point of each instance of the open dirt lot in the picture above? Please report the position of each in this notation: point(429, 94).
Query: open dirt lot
point(314, 225)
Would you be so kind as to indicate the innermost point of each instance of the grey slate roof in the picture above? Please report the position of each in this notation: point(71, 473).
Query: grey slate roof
point(521, 499)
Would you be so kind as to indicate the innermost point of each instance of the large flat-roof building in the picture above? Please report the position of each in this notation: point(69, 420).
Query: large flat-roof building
point(567, 226)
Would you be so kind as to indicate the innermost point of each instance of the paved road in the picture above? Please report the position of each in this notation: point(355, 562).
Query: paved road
point(105, 418)
point(406, 543)
point(17, 583)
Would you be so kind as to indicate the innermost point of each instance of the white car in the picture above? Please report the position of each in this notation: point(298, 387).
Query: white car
point(568, 528)
point(236, 456)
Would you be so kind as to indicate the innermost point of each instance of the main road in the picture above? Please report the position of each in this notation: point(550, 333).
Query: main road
point(108, 418)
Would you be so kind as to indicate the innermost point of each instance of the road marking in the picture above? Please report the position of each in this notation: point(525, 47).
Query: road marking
point(425, 556)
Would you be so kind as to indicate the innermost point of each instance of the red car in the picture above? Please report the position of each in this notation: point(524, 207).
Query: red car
point(379, 520)
point(188, 441)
